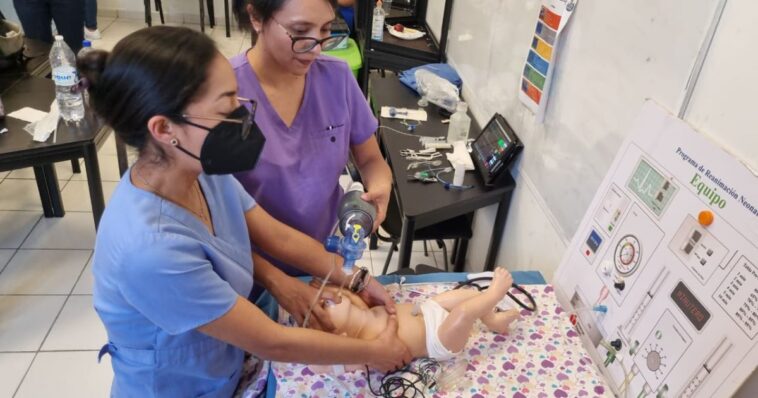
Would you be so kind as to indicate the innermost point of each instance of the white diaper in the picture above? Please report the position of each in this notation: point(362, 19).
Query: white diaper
point(434, 314)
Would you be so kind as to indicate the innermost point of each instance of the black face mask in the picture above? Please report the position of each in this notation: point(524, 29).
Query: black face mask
point(230, 147)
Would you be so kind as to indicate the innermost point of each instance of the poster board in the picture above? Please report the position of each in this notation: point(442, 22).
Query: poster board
point(681, 296)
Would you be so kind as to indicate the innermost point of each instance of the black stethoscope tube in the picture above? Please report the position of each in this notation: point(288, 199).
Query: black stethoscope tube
point(530, 298)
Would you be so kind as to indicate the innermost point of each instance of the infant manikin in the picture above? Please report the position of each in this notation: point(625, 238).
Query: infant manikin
point(437, 328)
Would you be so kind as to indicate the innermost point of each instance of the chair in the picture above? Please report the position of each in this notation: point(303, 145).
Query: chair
point(211, 14)
point(457, 228)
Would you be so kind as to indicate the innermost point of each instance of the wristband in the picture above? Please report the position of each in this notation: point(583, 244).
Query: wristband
point(359, 280)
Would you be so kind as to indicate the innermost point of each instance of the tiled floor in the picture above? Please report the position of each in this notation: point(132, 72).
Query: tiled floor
point(49, 332)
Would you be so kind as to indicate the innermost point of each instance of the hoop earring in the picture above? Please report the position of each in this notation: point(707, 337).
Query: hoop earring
point(174, 142)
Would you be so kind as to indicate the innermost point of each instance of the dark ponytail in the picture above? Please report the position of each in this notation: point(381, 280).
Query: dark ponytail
point(262, 10)
point(154, 71)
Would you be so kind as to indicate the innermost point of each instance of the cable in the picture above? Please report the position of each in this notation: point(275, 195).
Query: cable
point(450, 185)
point(472, 282)
point(320, 291)
point(398, 386)
point(398, 131)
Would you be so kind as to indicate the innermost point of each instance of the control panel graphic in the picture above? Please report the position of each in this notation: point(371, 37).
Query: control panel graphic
point(661, 276)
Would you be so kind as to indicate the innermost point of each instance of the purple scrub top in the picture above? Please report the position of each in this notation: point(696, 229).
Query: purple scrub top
point(296, 179)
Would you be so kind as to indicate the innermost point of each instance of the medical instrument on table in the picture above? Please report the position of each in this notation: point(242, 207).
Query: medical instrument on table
point(473, 282)
point(431, 163)
point(423, 176)
point(420, 156)
point(408, 152)
point(425, 139)
point(410, 126)
point(391, 112)
point(428, 175)
point(450, 185)
point(394, 112)
point(437, 145)
point(494, 150)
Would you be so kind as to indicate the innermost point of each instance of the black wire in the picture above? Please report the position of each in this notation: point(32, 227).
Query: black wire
point(472, 282)
point(450, 185)
point(394, 385)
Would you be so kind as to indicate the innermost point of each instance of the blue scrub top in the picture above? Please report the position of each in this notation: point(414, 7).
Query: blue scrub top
point(160, 274)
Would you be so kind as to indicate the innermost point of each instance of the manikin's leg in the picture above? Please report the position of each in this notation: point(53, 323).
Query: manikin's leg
point(456, 328)
point(495, 321)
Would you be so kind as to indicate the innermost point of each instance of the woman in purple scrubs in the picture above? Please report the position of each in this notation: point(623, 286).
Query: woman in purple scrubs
point(314, 116)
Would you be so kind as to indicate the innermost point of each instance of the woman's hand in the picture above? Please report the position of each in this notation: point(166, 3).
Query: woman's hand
point(296, 298)
point(380, 198)
point(376, 175)
point(390, 353)
point(375, 294)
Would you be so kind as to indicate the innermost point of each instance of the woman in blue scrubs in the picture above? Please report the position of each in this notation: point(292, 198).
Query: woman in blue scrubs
point(173, 263)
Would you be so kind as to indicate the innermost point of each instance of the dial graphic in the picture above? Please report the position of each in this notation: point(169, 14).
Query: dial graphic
point(655, 359)
point(626, 258)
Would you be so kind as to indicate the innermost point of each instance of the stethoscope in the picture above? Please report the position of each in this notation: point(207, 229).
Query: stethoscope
point(472, 282)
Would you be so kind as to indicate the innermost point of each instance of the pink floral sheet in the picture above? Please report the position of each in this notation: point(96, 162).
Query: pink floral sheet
point(541, 356)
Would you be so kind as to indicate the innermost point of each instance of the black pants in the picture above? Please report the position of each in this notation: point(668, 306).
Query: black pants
point(36, 16)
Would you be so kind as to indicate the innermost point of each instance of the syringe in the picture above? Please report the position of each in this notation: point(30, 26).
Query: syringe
point(646, 299)
point(704, 371)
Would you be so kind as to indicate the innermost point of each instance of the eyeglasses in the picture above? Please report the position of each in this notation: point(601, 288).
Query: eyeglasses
point(247, 122)
point(303, 44)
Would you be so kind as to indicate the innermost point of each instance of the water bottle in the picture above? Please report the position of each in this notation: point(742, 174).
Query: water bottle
point(86, 48)
point(459, 125)
point(63, 63)
point(377, 25)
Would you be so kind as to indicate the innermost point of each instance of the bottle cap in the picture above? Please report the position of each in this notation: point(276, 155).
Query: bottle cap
point(58, 38)
point(462, 106)
point(86, 43)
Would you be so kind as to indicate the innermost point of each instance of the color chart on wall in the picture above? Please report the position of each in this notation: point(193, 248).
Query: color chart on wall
point(540, 62)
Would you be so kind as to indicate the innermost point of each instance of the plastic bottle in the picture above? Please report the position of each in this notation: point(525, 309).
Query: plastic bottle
point(86, 48)
point(63, 63)
point(377, 24)
point(459, 124)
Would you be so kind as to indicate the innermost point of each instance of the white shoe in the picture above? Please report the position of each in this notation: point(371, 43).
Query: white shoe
point(92, 34)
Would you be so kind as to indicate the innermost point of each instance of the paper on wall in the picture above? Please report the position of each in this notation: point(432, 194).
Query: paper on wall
point(541, 59)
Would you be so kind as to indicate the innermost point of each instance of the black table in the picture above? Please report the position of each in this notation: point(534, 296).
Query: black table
point(427, 204)
point(18, 150)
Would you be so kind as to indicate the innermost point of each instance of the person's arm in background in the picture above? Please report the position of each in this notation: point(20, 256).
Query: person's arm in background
point(376, 176)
